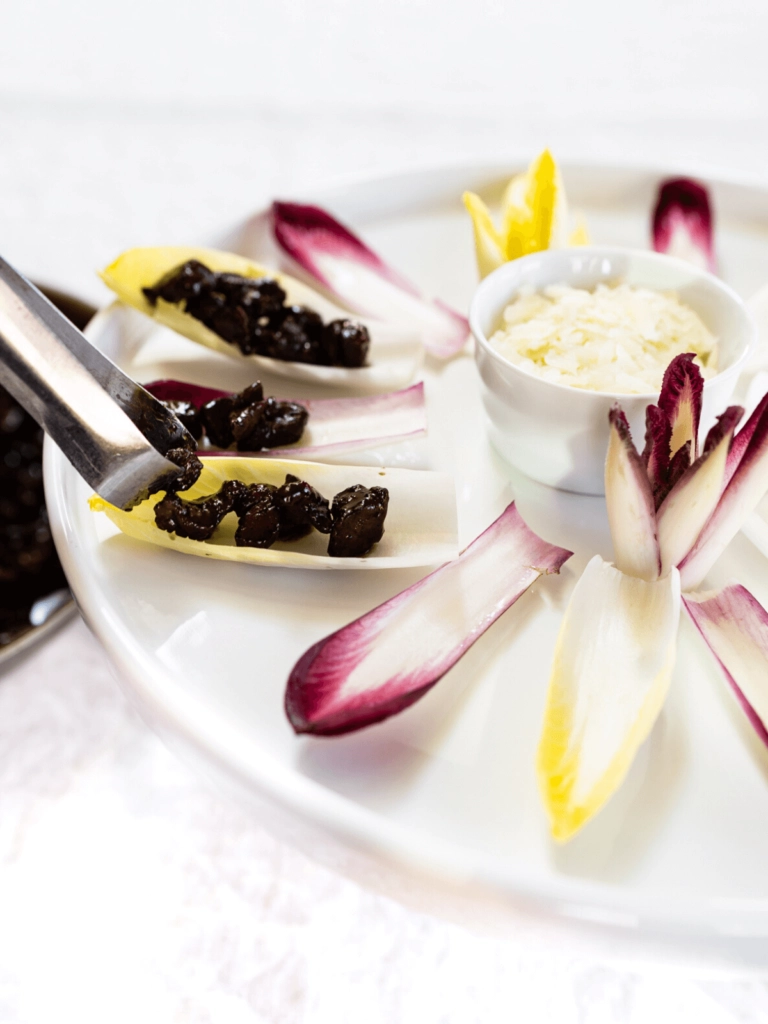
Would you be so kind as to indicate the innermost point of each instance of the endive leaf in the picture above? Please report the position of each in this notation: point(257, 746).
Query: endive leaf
point(629, 499)
point(612, 667)
point(580, 234)
point(533, 214)
point(694, 497)
point(744, 437)
point(489, 247)
point(680, 400)
point(656, 454)
point(341, 262)
point(394, 354)
point(335, 424)
point(544, 199)
point(683, 223)
point(420, 528)
point(747, 483)
point(735, 627)
point(384, 661)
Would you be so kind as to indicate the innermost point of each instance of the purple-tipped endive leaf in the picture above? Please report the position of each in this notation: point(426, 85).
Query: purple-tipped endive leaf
point(680, 401)
point(631, 511)
point(744, 437)
point(610, 674)
point(658, 434)
point(682, 222)
point(335, 424)
point(747, 483)
point(340, 262)
point(384, 661)
point(735, 627)
point(693, 499)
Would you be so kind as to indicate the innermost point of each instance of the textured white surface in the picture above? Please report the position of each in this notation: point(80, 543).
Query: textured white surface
point(130, 891)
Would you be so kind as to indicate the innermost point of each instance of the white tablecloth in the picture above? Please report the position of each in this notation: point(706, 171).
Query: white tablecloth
point(130, 890)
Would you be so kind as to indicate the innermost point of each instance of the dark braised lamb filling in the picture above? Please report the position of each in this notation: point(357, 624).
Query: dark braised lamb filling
point(197, 518)
point(355, 520)
point(250, 422)
point(251, 313)
point(358, 520)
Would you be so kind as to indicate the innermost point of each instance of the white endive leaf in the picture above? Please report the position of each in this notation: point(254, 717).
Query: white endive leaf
point(691, 502)
point(420, 528)
point(630, 505)
point(612, 667)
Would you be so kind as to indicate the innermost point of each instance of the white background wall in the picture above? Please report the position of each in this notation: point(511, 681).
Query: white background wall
point(141, 122)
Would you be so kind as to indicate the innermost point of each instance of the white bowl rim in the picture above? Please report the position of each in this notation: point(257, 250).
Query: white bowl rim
point(734, 369)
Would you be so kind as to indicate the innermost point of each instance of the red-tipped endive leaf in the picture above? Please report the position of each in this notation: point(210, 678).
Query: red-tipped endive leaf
point(631, 510)
point(735, 627)
point(658, 433)
point(742, 440)
point(334, 425)
point(746, 486)
point(340, 262)
point(683, 222)
point(693, 499)
point(680, 400)
point(383, 662)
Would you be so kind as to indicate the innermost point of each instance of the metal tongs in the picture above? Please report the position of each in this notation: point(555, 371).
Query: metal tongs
point(114, 433)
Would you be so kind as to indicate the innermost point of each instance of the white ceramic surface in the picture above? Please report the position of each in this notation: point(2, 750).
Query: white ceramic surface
point(449, 786)
point(556, 434)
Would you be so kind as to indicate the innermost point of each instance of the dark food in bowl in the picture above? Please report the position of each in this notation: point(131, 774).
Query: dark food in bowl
point(251, 313)
point(29, 567)
point(355, 519)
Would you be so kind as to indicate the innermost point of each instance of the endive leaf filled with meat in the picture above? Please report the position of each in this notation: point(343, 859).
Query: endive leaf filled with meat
point(326, 427)
point(246, 509)
point(263, 317)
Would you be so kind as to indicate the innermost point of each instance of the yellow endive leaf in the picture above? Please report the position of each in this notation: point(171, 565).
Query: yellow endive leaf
point(611, 671)
point(544, 194)
point(534, 209)
point(137, 269)
point(517, 231)
point(580, 234)
point(488, 247)
point(420, 528)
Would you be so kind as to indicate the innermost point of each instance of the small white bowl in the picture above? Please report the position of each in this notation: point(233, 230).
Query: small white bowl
point(558, 434)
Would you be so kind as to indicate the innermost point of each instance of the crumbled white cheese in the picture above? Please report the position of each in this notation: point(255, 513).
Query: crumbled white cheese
point(617, 339)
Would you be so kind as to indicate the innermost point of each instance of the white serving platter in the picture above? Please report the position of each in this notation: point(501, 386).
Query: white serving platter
point(448, 787)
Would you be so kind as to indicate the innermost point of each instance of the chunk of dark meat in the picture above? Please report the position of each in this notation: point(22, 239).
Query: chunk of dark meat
point(345, 343)
point(198, 518)
point(190, 469)
point(259, 516)
point(188, 415)
point(358, 520)
point(301, 508)
point(268, 424)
